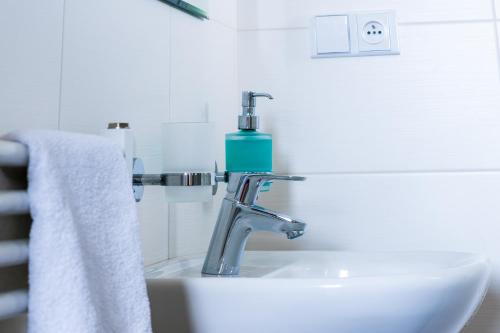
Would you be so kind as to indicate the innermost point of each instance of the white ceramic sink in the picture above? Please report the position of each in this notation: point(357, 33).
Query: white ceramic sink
point(315, 292)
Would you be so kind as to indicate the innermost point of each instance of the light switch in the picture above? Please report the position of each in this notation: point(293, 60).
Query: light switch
point(332, 34)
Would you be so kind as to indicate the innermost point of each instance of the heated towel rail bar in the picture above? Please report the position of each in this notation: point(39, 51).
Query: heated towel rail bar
point(13, 154)
point(13, 252)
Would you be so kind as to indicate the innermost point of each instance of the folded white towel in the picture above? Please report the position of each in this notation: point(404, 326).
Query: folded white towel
point(85, 268)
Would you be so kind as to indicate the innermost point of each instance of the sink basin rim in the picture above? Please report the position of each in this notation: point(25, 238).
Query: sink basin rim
point(174, 268)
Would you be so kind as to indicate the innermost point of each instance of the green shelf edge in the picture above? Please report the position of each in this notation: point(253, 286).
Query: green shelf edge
point(187, 8)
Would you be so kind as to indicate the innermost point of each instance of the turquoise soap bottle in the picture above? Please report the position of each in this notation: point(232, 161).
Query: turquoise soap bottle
point(249, 150)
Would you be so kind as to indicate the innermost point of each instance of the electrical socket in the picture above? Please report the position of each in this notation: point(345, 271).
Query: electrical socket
point(373, 32)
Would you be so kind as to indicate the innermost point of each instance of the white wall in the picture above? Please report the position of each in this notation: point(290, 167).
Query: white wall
point(401, 152)
point(76, 65)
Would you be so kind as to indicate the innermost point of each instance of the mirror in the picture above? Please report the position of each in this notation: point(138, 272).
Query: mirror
point(196, 8)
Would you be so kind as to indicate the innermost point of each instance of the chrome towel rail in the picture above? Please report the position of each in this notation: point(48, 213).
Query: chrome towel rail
point(13, 303)
point(13, 154)
point(14, 202)
point(15, 251)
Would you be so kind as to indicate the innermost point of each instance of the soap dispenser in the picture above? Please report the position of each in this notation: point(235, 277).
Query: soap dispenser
point(249, 150)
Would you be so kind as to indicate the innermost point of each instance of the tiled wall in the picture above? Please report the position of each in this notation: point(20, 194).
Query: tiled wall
point(401, 152)
point(147, 65)
point(76, 65)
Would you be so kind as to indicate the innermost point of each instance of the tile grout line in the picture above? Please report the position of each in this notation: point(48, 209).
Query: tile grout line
point(495, 29)
point(408, 23)
point(169, 206)
point(272, 29)
point(224, 25)
point(59, 106)
point(170, 65)
point(169, 229)
point(395, 173)
point(448, 22)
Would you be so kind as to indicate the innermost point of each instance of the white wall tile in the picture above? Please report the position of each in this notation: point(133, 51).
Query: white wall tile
point(189, 77)
point(116, 67)
point(191, 225)
point(265, 14)
point(153, 218)
point(395, 212)
point(30, 62)
point(497, 8)
point(224, 11)
point(204, 67)
point(434, 107)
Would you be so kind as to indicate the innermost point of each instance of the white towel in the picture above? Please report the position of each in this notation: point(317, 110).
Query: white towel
point(85, 267)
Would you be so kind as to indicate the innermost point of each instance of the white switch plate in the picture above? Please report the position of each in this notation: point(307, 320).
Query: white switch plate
point(368, 34)
point(332, 34)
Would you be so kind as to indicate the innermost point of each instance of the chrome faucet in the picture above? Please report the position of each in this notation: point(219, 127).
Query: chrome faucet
point(239, 216)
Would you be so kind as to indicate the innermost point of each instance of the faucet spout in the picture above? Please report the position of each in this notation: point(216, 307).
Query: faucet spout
point(262, 219)
point(238, 217)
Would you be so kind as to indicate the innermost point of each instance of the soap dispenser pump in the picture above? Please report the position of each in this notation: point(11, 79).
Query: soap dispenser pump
point(249, 150)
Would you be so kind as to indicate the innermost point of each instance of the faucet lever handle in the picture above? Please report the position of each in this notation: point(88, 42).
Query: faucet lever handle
point(270, 176)
point(245, 187)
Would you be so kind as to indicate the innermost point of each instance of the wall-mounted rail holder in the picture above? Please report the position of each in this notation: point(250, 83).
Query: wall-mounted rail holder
point(177, 180)
point(187, 179)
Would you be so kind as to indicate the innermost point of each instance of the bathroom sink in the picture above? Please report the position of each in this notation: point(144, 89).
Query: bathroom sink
point(341, 292)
